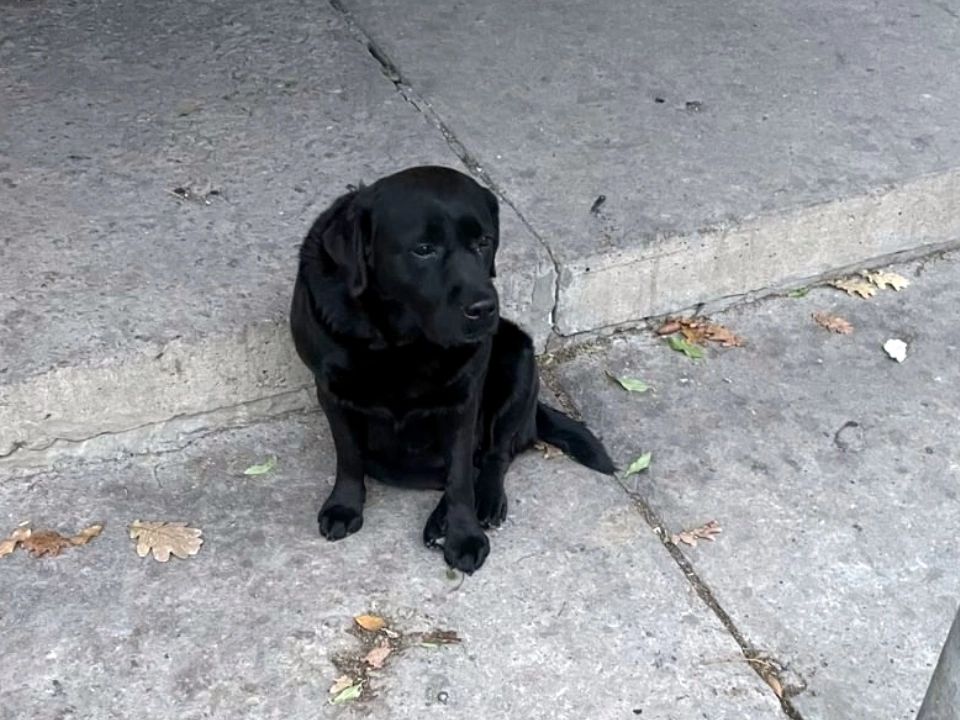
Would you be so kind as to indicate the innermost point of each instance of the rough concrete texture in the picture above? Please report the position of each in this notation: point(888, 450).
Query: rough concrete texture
point(579, 612)
point(159, 165)
point(738, 144)
point(833, 471)
point(122, 304)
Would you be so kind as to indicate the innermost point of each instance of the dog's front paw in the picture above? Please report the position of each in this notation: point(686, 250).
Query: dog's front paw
point(491, 506)
point(338, 521)
point(465, 550)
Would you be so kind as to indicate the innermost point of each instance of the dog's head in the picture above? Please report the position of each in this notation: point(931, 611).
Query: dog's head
point(416, 250)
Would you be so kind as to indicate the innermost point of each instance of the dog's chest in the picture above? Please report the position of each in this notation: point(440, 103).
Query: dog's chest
point(400, 381)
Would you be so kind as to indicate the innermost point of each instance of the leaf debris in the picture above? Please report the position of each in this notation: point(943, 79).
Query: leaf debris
point(340, 684)
point(882, 279)
point(549, 451)
point(370, 623)
point(703, 532)
point(9, 544)
point(351, 692)
point(629, 384)
point(639, 465)
point(165, 538)
point(834, 323)
point(262, 468)
point(854, 286)
point(376, 657)
point(694, 352)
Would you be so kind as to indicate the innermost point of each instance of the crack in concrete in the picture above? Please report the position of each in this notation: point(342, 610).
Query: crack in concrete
point(762, 663)
point(392, 72)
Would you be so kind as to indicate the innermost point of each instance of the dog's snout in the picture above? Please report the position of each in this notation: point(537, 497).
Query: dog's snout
point(480, 310)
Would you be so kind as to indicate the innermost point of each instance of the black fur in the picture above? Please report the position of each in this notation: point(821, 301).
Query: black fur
point(422, 382)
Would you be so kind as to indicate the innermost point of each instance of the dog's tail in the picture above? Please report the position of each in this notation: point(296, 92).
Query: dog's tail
point(573, 438)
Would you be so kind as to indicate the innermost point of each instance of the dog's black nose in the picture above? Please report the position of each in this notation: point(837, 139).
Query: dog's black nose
point(481, 310)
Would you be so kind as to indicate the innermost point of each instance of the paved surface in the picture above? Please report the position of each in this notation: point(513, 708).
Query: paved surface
point(579, 612)
point(786, 144)
point(832, 470)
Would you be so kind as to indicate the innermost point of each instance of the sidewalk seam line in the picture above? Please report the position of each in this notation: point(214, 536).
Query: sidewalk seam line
point(392, 72)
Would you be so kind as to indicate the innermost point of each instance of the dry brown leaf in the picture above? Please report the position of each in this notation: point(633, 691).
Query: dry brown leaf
point(370, 623)
point(87, 534)
point(440, 637)
point(376, 657)
point(855, 286)
point(669, 327)
point(165, 538)
point(341, 683)
point(774, 682)
point(700, 331)
point(834, 323)
point(882, 278)
point(549, 451)
point(9, 544)
point(45, 542)
point(704, 532)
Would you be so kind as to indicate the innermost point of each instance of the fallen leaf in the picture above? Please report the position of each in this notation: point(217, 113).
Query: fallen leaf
point(87, 534)
point(704, 532)
point(165, 538)
point(370, 623)
point(834, 323)
point(45, 542)
point(882, 278)
point(855, 286)
point(549, 451)
point(351, 692)
point(799, 293)
point(774, 684)
point(376, 657)
point(639, 465)
point(9, 544)
point(669, 327)
point(897, 349)
point(693, 333)
point(340, 684)
point(692, 351)
point(722, 335)
point(440, 637)
point(263, 468)
point(630, 384)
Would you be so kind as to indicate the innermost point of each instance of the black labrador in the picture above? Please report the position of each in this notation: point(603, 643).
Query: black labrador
point(422, 382)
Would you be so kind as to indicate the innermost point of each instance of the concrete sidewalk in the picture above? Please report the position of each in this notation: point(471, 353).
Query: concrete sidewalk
point(159, 164)
point(832, 470)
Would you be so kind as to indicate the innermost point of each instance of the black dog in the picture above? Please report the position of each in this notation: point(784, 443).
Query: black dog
point(422, 382)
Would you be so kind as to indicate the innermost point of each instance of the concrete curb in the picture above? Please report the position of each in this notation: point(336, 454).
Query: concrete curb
point(671, 273)
point(128, 403)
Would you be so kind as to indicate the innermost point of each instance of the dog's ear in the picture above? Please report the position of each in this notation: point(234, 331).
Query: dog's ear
point(494, 207)
point(343, 233)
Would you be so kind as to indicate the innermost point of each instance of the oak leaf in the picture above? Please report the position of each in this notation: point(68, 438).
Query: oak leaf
point(834, 323)
point(87, 534)
point(165, 538)
point(9, 544)
point(704, 532)
point(882, 278)
point(855, 286)
point(45, 542)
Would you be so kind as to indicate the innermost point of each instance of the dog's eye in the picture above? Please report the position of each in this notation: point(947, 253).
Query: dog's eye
point(424, 250)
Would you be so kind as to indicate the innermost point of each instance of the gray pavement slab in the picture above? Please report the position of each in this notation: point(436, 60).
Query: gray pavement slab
point(122, 303)
point(833, 470)
point(578, 613)
point(738, 144)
